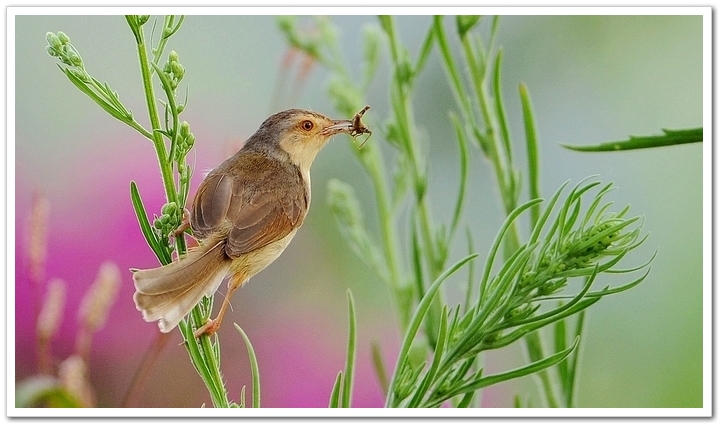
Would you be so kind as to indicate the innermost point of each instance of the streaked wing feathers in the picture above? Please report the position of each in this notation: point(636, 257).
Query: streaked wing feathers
point(253, 204)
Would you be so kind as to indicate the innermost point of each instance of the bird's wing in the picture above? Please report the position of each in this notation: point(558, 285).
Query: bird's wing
point(253, 208)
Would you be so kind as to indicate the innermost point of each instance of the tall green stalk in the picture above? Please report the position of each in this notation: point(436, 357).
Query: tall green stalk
point(174, 171)
point(440, 358)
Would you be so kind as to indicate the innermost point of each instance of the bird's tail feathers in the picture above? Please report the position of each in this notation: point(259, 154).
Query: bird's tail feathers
point(168, 293)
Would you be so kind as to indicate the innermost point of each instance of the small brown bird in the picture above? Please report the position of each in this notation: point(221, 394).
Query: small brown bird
point(245, 213)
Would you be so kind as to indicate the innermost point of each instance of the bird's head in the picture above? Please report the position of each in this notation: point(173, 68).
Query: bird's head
point(299, 133)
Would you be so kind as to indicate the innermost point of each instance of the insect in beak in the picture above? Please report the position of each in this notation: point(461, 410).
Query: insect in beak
point(358, 127)
point(353, 127)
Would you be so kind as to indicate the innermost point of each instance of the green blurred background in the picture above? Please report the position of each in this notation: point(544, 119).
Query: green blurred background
point(591, 79)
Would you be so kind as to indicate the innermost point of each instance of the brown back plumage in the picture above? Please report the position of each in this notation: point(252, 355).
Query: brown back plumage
point(253, 199)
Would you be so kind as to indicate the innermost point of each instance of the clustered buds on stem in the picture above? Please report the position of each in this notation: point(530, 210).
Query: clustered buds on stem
point(185, 141)
point(174, 69)
point(169, 219)
point(59, 46)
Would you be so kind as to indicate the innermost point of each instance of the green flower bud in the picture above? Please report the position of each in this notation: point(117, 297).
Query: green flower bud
point(527, 278)
point(180, 108)
point(491, 338)
point(177, 69)
point(189, 142)
point(64, 39)
point(53, 40)
point(51, 51)
point(169, 208)
point(184, 129)
point(174, 57)
point(79, 74)
point(74, 58)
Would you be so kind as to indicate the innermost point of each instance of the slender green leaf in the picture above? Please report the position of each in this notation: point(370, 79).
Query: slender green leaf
point(167, 88)
point(335, 398)
point(351, 354)
point(518, 333)
point(194, 351)
point(559, 344)
point(431, 373)
point(466, 400)
point(497, 242)
point(536, 231)
point(416, 320)
point(464, 23)
point(256, 390)
point(500, 110)
point(471, 279)
point(669, 137)
point(570, 384)
point(558, 310)
point(482, 382)
point(162, 254)
point(494, 30)
point(456, 86)
point(424, 52)
point(243, 397)
point(531, 149)
point(416, 255)
point(379, 367)
point(464, 172)
point(616, 290)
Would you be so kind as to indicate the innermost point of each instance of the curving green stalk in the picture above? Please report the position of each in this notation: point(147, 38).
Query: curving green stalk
point(203, 353)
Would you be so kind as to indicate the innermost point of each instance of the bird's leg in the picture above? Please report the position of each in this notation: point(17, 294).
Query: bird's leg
point(184, 225)
point(212, 325)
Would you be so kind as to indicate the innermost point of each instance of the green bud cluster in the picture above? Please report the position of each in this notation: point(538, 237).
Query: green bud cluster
point(174, 70)
point(185, 173)
point(185, 141)
point(169, 219)
point(59, 46)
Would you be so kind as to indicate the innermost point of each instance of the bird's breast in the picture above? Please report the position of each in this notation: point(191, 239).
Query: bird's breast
point(254, 262)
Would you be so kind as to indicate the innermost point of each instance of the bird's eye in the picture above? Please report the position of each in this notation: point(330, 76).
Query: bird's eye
point(307, 125)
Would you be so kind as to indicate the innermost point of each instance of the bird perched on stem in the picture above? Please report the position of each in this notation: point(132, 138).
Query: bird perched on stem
point(245, 213)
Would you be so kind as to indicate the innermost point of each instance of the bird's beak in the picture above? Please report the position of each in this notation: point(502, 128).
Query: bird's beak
point(338, 126)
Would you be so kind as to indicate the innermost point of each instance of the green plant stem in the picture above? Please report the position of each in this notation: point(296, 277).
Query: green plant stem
point(160, 148)
point(535, 352)
point(497, 156)
point(375, 169)
point(214, 381)
point(490, 146)
point(165, 167)
point(402, 104)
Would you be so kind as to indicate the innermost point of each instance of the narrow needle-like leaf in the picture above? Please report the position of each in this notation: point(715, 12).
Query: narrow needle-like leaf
point(256, 390)
point(669, 137)
point(351, 354)
point(531, 150)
